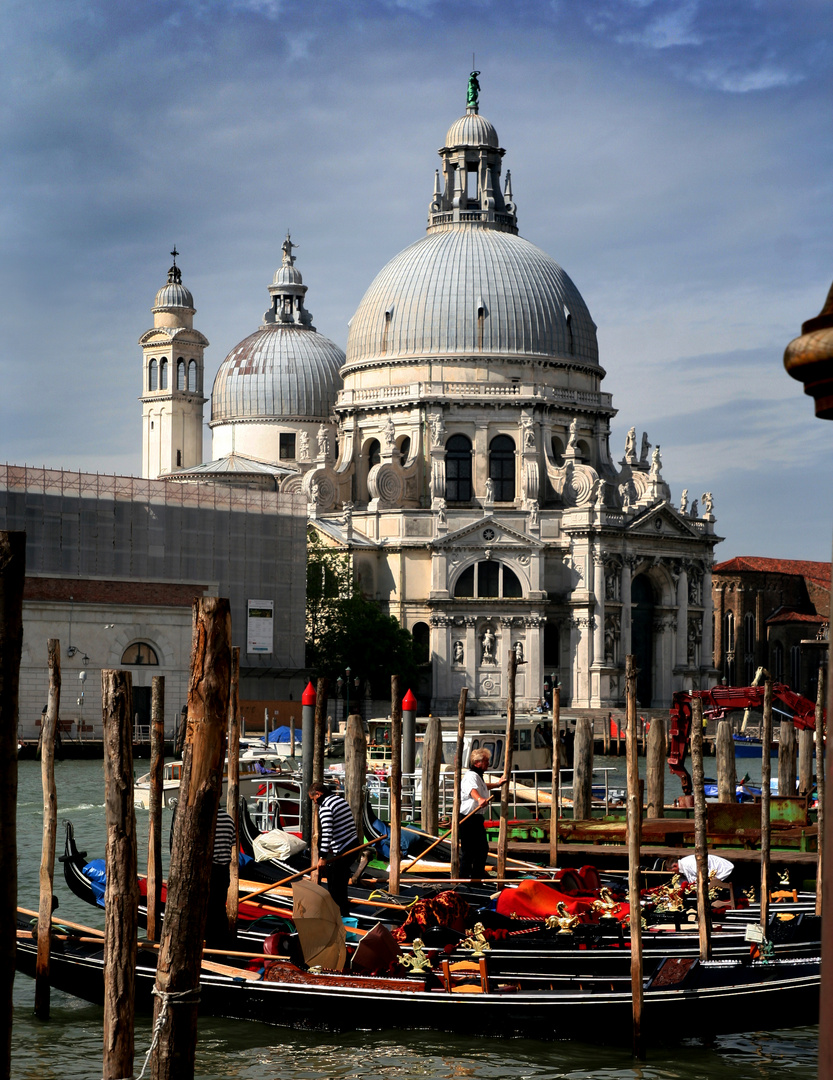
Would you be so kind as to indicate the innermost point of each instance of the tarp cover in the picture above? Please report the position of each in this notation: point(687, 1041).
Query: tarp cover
point(282, 734)
point(276, 844)
point(537, 900)
point(95, 873)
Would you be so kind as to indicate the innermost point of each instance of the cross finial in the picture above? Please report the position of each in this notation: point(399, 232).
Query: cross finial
point(174, 254)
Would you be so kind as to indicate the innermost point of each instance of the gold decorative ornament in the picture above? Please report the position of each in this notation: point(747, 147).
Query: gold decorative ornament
point(477, 942)
point(419, 961)
point(563, 920)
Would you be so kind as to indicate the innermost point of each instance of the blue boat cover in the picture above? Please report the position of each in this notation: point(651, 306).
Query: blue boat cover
point(282, 734)
point(94, 873)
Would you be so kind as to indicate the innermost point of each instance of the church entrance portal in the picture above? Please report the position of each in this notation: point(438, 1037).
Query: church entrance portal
point(642, 637)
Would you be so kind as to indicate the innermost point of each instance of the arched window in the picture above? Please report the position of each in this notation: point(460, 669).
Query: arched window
point(502, 468)
point(421, 633)
point(163, 375)
point(795, 668)
point(180, 374)
point(152, 375)
point(729, 631)
point(488, 580)
point(557, 448)
point(140, 654)
point(192, 375)
point(777, 662)
point(458, 469)
point(749, 632)
point(404, 450)
point(374, 453)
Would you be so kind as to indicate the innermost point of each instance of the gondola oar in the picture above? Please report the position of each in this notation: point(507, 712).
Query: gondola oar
point(292, 877)
point(439, 840)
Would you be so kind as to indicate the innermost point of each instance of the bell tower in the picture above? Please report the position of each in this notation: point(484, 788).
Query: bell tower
point(172, 382)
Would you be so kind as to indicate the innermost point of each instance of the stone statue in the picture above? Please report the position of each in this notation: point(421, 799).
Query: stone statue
point(437, 429)
point(490, 490)
point(389, 432)
point(630, 445)
point(599, 501)
point(529, 432)
point(695, 511)
point(314, 492)
point(303, 446)
point(441, 515)
point(610, 585)
point(656, 464)
point(692, 642)
point(459, 654)
point(519, 652)
point(286, 247)
point(487, 655)
point(473, 91)
point(645, 450)
point(323, 441)
point(684, 501)
point(573, 434)
point(693, 590)
point(533, 514)
point(708, 502)
point(610, 641)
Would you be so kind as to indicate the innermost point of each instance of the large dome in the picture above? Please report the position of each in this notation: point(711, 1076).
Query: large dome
point(279, 372)
point(472, 130)
point(469, 291)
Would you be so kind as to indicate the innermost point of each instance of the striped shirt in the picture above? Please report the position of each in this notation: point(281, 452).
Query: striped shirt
point(338, 829)
point(223, 838)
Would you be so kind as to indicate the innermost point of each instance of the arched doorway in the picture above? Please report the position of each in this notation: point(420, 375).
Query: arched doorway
point(642, 637)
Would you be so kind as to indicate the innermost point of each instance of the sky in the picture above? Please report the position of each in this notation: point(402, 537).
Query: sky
point(673, 156)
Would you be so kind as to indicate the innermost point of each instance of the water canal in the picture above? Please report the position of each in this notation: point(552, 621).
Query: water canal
point(68, 1047)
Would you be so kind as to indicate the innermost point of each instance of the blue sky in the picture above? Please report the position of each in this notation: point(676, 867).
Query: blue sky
point(674, 156)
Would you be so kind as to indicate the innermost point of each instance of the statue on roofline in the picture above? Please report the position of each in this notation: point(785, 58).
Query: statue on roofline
point(473, 91)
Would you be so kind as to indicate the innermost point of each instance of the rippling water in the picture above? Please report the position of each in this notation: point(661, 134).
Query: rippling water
point(68, 1046)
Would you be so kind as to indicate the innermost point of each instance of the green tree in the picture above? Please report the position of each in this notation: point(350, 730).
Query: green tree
point(346, 629)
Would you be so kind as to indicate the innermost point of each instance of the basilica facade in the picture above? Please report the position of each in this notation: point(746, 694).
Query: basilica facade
point(460, 452)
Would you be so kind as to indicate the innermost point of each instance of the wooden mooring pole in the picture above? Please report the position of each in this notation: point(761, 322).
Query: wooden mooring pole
point(50, 827)
point(821, 787)
point(701, 853)
point(786, 759)
point(186, 910)
point(583, 767)
point(726, 772)
point(805, 761)
point(655, 769)
point(503, 830)
point(634, 849)
point(766, 772)
point(458, 778)
point(121, 894)
point(395, 784)
point(233, 791)
point(355, 766)
point(12, 574)
point(157, 782)
point(556, 774)
point(432, 748)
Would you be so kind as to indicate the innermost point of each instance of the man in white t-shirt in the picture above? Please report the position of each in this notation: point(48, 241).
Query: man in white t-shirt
point(687, 866)
point(474, 798)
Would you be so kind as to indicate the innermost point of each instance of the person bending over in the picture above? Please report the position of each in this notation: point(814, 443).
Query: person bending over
point(474, 796)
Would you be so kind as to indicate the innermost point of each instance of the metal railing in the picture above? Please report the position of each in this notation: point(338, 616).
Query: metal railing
point(276, 808)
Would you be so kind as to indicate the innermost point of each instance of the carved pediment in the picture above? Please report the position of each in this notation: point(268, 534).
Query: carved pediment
point(663, 520)
point(487, 532)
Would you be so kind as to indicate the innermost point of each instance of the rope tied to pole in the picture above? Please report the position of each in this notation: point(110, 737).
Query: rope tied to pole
point(168, 998)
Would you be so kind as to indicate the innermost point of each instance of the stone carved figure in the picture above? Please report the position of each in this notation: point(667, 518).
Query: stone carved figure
point(529, 432)
point(610, 640)
point(692, 642)
point(519, 651)
point(441, 515)
point(303, 446)
point(630, 445)
point(599, 501)
point(487, 655)
point(684, 501)
point(645, 449)
point(572, 434)
point(610, 585)
point(708, 502)
point(314, 492)
point(694, 512)
point(389, 433)
point(323, 441)
point(459, 653)
point(437, 426)
point(287, 259)
point(533, 515)
point(656, 464)
point(490, 490)
point(693, 590)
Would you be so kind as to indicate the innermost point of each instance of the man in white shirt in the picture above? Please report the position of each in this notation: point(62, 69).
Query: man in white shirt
point(474, 798)
point(687, 866)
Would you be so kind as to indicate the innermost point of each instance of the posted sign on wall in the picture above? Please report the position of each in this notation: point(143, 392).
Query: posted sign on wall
point(259, 626)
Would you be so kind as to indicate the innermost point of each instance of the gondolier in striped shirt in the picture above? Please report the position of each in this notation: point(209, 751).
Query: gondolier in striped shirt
point(337, 834)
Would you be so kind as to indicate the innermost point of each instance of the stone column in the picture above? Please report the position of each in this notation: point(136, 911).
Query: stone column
point(707, 647)
point(760, 631)
point(627, 569)
point(682, 619)
point(717, 651)
point(534, 657)
point(599, 595)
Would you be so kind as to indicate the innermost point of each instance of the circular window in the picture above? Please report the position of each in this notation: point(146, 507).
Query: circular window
point(488, 534)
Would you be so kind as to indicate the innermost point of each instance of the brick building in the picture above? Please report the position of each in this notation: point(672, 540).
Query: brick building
point(771, 613)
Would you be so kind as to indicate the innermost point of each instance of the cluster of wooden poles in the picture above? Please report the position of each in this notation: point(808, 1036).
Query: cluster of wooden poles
point(213, 718)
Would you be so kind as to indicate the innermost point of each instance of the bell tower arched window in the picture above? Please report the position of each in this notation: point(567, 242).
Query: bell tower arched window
point(180, 374)
point(458, 469)
point(192, 375)
point(153, 375)
point(163, 375)
point(502, 467)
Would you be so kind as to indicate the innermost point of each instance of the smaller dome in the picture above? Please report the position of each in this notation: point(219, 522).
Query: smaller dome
point(472, 130)
point(287, 275)
point(174, 293)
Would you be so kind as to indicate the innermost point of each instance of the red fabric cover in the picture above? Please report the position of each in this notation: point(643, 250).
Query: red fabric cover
point(444, 909)
point(537, 900)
